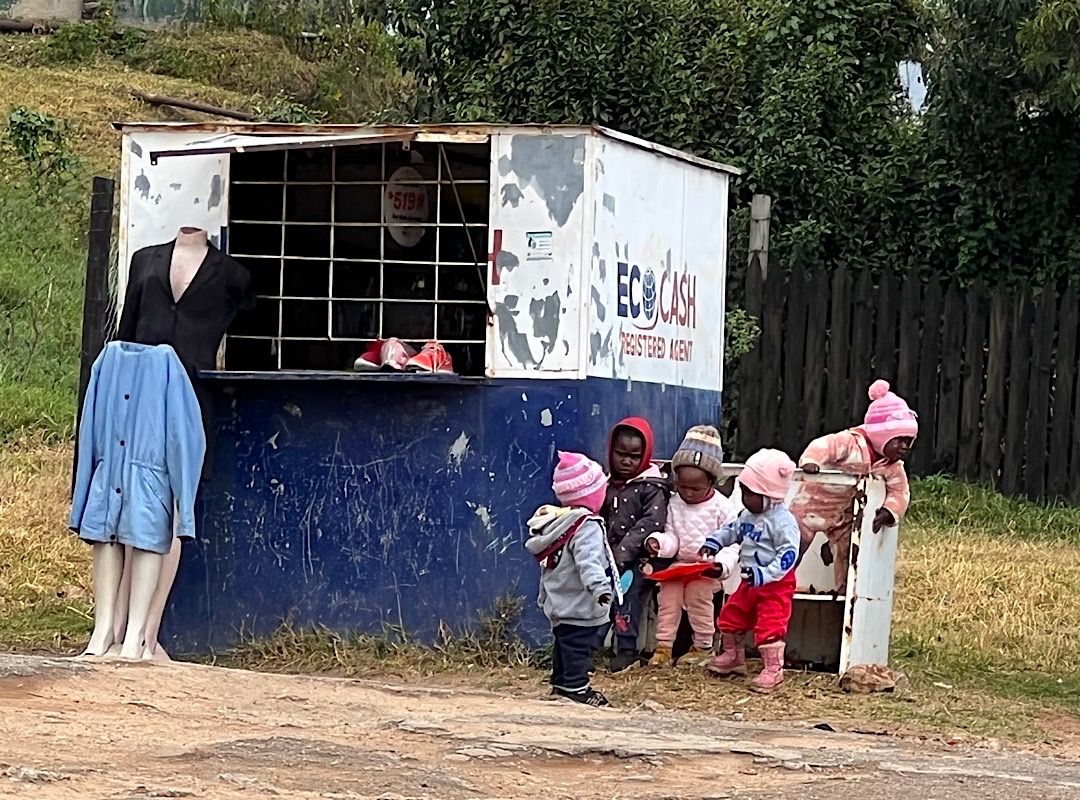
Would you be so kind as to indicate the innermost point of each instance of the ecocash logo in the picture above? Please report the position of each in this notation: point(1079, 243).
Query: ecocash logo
point(645, 301)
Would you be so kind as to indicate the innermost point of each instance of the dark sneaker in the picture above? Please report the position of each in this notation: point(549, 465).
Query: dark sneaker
point(623, 661)
point(587, 697)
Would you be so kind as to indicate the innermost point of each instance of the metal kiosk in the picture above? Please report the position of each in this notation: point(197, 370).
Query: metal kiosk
point(574, 274)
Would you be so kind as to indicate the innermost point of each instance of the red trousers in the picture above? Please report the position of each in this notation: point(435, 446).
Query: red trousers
point(765, 610)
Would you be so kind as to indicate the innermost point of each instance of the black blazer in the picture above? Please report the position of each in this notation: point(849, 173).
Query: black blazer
point(194, 324)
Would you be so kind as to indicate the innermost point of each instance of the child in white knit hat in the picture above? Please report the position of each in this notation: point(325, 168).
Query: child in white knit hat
point(578, 574)
point(696, 511)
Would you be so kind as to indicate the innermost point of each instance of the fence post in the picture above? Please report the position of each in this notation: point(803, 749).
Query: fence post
point(760, 218)
point(96, 293)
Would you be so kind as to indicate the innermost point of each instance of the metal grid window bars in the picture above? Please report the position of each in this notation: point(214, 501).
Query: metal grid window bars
point(333, 270)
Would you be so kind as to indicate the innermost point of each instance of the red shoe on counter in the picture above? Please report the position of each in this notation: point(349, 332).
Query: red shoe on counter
point(432, 358)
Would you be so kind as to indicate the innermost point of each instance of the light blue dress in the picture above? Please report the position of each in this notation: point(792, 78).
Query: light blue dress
point(141, 447)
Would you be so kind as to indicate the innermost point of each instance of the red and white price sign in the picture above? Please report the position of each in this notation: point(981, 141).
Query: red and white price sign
point(406, 203)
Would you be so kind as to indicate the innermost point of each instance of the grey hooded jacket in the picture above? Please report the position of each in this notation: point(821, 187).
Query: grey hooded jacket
point(570, 591)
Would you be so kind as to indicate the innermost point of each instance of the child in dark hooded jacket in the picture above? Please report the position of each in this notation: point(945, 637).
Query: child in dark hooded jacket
point(635, 508)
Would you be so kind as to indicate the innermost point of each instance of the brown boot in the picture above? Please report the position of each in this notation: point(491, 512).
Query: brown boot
point(661, 657)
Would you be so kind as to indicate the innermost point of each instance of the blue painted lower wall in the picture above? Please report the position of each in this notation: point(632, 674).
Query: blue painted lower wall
point(358, 505)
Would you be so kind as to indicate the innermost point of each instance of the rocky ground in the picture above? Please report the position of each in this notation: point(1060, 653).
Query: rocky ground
point(72, 729)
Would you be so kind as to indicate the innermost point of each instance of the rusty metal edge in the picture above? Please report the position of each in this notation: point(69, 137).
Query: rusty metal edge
point(463, 132)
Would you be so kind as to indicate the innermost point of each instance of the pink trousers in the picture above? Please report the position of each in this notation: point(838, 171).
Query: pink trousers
point(696, 596)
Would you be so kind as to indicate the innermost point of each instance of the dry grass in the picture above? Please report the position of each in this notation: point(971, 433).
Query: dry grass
point(44, 569)
point(92, 96)
point(1016, 603)
point(984, 625)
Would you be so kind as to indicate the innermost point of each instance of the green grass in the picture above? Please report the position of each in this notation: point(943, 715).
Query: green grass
point(942, 502)
point(42, 264)
point(52, 627)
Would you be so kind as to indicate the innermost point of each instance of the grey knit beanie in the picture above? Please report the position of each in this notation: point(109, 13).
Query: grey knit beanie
point(701, 448)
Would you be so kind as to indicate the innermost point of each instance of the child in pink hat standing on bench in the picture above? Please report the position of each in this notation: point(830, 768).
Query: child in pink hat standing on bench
point(877, 447)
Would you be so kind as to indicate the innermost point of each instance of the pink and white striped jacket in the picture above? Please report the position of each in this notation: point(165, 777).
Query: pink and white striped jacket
point(821, 507)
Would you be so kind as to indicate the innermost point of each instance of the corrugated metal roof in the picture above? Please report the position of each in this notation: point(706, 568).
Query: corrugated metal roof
point(422, 132)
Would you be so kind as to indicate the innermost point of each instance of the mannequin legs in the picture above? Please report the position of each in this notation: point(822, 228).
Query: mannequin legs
point(108, 568)
point(145, 571)
point(169, 565)
point(121, 615)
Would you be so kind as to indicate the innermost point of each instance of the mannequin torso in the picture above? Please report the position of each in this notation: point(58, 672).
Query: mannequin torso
point(188, 256)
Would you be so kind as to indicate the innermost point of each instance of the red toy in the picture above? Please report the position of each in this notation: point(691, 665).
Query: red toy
point(686, 572)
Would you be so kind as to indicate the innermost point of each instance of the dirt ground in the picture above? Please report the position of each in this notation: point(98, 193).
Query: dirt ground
point(71, 729)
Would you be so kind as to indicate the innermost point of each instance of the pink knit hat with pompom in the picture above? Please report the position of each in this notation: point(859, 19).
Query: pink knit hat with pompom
point(580, 481)
point(888, 417)
point(768, 472)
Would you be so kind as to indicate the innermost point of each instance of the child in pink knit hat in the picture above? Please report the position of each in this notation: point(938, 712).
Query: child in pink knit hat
point(877, 447)
point(577, 574)
point(768, 539)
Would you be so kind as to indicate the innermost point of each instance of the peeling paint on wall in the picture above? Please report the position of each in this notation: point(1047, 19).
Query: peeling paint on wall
point(142, 185)
point(514, 343)
point(546, 314)
point(658, 270)
point(598, 305)
point(554, 165)
point(215, 192)
point(538, 185)
point(506, 261)
point(511, 195)
point(163, 197)
point(459, 449)
point(483, 513)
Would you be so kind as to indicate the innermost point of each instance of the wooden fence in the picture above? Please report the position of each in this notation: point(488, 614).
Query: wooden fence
point(991, 371)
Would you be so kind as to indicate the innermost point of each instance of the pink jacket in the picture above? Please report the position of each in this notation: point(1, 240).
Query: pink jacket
point(689, 525)
point(823, 507)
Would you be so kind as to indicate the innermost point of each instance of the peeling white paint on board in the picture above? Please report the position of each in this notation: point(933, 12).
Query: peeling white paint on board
point(537, 206)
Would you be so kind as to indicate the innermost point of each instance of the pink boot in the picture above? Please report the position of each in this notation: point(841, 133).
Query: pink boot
point(732, 658)
point(772, 674)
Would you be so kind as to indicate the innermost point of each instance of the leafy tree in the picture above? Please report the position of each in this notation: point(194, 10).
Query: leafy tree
point(803, 94)
point(1006, 202)
point(1051, 48)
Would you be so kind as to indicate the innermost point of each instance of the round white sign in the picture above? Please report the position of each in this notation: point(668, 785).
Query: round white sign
point(405, 201)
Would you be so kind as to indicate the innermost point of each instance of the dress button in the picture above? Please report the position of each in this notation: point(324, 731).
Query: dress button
point(127, 396)
point(122, 442)
point(118, 490)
